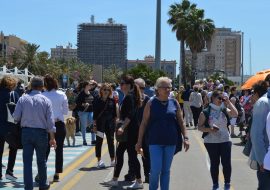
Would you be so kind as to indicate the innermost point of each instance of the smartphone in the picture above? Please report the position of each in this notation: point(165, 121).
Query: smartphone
point(215, 127)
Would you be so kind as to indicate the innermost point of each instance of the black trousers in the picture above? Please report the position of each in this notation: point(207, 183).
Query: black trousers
point(132, 156)
point(108, 129)
point(11, 157)
point(217, 152)
point(196, 113)
point(59, 138)
point(146, 159)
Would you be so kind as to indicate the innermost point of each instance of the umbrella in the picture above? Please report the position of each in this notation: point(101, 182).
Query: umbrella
point(254, 79)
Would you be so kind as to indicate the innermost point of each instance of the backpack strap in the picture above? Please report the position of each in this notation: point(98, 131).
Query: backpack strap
point(206, 113)
point(224, 110)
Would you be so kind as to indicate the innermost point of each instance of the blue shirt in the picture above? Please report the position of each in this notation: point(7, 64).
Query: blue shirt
point(149, 91)
point(34, 110)
point(258, 133)
point(162, 126)
point(121, 94)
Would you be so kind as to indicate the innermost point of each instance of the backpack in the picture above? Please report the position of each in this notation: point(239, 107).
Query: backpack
point(206, 113)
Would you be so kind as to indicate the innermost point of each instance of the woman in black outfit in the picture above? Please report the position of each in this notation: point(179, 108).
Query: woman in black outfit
point(104, 122)
point(129, 119)
point(7, 85)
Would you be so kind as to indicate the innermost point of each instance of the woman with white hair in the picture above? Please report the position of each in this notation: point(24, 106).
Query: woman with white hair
point(163, 118)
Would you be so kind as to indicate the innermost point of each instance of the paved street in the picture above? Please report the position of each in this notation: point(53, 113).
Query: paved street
point(190, 171)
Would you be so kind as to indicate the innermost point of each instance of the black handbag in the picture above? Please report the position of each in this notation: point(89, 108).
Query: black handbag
point(247, 148)
point(179, 144)
point(14, 136)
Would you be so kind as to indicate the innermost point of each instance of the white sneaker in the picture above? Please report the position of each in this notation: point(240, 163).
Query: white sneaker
point(113, 163)
point(101, 164)
point(136, 185)
point(112, 183)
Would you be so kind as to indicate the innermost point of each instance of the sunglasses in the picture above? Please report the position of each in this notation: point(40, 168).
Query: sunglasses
point(122, 83)
point(221, 98)
point(106, 90)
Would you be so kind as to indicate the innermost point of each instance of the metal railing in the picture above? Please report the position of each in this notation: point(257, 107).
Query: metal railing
point(24, 74)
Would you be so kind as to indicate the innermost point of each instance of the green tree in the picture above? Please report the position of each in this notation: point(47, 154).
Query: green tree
point(200, 30)
point(112, 74)
point(43, 57)
point(179, 14)
point(30, 58)
point(145, 72)
point(15, 58)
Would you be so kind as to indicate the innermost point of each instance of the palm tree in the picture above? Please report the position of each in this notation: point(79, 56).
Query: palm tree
point(179, 14)
point(30, 57)
point(15, 58)
point(200, 30)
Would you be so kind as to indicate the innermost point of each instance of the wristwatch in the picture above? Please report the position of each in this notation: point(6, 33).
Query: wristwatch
point(186, 138)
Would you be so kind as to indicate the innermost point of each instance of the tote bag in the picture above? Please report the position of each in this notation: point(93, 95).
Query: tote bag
point(11, 108)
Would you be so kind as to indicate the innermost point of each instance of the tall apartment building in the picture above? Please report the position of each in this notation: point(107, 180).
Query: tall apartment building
point(10, 43)
point(102, 43)
point(168, 67)
point(61, 53)
point(223, 54)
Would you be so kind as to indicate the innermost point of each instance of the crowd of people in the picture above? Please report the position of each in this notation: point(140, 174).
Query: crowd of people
point(139, 119)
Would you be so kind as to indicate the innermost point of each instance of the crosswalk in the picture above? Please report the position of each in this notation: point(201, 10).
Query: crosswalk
point(70, 154)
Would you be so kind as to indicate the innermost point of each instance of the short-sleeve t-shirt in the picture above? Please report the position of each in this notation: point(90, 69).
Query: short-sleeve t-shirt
point(218, 118)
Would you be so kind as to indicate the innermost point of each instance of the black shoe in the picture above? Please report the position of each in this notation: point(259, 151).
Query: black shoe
point(84, 143)
point(37, 178)
point(56, 178)
point(93, 143)
point(10, 176)
point(45, 188)
point(129, 177)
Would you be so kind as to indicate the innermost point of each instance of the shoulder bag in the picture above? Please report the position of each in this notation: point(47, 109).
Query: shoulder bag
point(11, 108)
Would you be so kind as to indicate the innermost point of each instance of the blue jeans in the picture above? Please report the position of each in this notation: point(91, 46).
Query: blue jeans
point(264, 180)
point(161, 157)
point(34, 139)
point(86, 118)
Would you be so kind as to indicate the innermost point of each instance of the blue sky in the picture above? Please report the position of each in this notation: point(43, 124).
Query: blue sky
point(54, 22)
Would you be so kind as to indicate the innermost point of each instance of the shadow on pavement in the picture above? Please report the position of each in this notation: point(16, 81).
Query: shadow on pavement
point(121, 185)
point(93, 169)
point(79, 145)
point(14, 184)
point(239, 144)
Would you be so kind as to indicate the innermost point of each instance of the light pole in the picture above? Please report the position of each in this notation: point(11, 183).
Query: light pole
point(158, 36)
